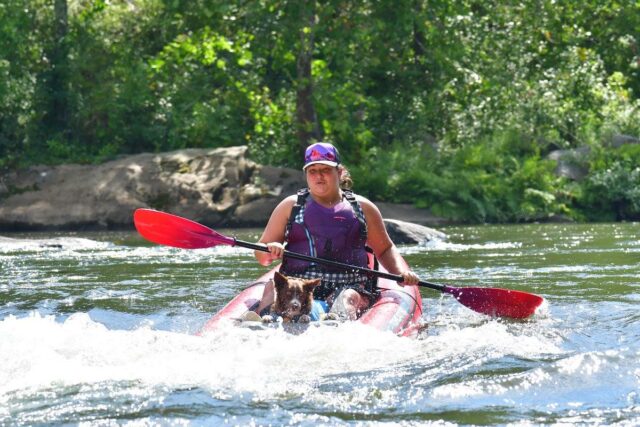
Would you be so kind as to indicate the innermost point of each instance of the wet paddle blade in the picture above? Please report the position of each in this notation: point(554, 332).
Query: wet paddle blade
point(171, 230)
point(497, 302)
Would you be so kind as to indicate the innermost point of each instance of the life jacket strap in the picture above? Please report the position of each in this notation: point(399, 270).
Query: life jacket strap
point(357, 209)
point(303, 193)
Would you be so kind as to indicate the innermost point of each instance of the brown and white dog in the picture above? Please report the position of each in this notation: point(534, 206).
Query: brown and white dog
point(294, 299)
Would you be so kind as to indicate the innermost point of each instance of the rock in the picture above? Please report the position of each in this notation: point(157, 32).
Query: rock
point(269, 186)
point(572, 163)
point(402, 232)
point(206, 185)
point(216, 187)
point(621, 139)
point(410, 213)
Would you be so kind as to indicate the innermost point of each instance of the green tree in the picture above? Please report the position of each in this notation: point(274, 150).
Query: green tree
point(448, 105)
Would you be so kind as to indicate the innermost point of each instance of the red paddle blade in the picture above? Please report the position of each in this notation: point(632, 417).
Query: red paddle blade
point(497, 302)
point(171, 230)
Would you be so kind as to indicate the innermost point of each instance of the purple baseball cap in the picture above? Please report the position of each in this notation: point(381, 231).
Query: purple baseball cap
point(323, 153)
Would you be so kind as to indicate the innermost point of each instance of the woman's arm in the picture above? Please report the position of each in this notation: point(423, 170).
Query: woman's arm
point(273, 234)
point(383, 247)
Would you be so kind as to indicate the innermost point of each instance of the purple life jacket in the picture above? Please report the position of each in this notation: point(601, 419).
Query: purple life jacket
point(337, 233)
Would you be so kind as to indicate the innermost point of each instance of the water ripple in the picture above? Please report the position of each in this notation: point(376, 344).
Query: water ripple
point(101, 329)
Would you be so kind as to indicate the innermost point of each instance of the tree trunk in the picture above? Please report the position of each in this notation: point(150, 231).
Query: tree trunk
point(306, 118)
point(418, 34)
point(58, 79)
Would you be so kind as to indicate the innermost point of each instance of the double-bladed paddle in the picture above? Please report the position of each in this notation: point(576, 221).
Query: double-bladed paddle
point(171, 230)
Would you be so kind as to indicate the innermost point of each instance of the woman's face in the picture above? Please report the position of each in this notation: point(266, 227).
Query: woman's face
point(322, 179)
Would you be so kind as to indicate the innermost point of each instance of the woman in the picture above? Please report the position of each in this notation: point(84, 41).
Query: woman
point(329, 221)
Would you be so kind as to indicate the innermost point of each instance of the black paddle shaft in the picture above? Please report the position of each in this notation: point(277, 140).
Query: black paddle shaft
point(368, 271)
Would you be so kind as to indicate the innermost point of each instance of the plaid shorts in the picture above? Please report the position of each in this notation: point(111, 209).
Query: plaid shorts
point(335, 282)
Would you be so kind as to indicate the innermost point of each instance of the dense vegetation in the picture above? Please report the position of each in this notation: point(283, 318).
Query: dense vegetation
point(451, 105)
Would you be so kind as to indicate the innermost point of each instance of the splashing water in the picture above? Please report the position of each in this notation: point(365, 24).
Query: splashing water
point(101, 329)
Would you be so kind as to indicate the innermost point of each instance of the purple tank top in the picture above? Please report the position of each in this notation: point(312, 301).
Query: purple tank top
point(330, 233)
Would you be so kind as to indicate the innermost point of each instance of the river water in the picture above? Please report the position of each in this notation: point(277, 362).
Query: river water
point(100, 328)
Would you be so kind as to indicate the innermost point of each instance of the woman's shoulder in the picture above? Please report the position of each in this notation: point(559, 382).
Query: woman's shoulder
point(281, 213)
point(367, 205)
point(363, 200)
point(287, 203)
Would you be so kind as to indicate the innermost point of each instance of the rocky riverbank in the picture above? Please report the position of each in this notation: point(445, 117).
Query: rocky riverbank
point(217, 187)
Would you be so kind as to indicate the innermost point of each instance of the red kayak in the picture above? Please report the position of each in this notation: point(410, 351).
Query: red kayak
point(397, 308)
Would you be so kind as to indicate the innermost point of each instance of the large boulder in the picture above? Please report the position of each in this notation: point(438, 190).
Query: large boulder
point(206, 185)
point(217, 187)
point(571, 163)
point(402, 232)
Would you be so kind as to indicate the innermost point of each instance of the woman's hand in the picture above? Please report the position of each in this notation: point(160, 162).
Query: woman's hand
point(276, 249)
point(409, 278)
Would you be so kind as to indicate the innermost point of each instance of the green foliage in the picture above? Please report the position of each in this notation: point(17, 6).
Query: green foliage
point(452, 106)
point(202, 100)
point(612, 190)
point(481, 183)
point(20, 61)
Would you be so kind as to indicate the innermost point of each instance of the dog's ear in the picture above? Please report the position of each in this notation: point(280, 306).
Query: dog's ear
point(279, 279)
point(311, 284)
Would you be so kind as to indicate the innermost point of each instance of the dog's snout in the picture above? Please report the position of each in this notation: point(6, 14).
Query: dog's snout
point(295, 304)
